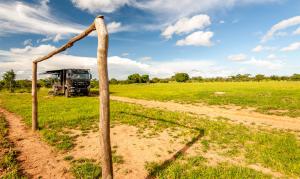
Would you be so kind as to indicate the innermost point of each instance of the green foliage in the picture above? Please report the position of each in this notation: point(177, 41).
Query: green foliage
point(137, 78)
point(9, 80)
point(259, 77)
point(113, 81)
point(155, 80)
point(295, 77)
point(1, 84)
point(134, 78)
point(94, 83)
point(145, 79)
point(46, 83)
point(181, 77)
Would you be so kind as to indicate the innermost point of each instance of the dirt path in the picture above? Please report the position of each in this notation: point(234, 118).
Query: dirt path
point(237, 115)
point(36, 157)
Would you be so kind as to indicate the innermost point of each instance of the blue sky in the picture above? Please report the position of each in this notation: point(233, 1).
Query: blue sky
point(156, 37)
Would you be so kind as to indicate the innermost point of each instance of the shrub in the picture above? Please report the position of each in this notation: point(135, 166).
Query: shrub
point(181, 77)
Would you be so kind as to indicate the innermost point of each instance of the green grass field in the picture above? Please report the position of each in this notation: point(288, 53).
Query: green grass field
point(277, 150)
point(273, 97)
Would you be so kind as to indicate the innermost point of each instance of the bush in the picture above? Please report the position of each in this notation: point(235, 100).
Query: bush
point(145, 78)
point(113, 81)
point(94, 83)
point(9, 80)
point(134, 78)
point(295, 77)
point(181, 77)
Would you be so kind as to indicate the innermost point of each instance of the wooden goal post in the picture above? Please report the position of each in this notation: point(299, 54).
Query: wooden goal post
point(104, 117)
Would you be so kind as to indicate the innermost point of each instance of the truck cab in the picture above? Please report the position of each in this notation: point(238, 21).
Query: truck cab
point(71, 82)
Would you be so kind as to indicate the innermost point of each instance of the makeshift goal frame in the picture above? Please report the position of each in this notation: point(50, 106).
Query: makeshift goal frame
point(104, 117)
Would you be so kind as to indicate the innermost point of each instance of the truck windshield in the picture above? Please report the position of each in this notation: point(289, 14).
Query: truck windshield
point(80, 76)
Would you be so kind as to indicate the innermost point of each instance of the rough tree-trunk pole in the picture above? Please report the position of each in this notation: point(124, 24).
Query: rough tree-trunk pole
point(34, 97)
point(107, 169)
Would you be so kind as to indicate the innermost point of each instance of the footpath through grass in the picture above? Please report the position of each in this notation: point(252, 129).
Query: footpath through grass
point(9, 166)
point(277, 150)
point(273, 97)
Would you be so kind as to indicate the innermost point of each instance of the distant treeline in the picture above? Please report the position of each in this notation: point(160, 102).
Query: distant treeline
point(184, 77)
point(10, 83)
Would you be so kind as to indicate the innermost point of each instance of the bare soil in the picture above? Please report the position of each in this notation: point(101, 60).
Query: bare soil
point(37, 159)
point(136, 151)
point(233, 113)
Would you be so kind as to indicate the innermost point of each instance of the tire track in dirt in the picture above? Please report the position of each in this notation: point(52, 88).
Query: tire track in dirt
point(248, 117)
point(37, 159)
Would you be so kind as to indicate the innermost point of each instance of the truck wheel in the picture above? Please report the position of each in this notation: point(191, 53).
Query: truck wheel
point(67, 94)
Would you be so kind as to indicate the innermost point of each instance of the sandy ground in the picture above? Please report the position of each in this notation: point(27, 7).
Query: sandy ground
point(37, 159)
point(235, 114)
point(137, 151)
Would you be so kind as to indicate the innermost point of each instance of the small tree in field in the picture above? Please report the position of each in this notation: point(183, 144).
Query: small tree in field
point(259, 77)
point(9, 80)
point(295, 77)
point(145, 78)
point(134, 78)
point(181, 77)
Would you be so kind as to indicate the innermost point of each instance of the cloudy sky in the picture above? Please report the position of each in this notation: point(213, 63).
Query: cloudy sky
point(155, 37)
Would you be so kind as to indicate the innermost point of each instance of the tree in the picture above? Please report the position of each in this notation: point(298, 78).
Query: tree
point(145, 78)
point(259, 77)
point(197, 78)
point(295, 77)
point(134, 78)
point(113, 81)
point(94, 83)
point(9, 80)
point(1, 84)
point(181, 77)
point(155, 80)
point(275, 78)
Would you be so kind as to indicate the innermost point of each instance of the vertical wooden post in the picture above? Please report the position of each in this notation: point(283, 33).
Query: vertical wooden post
point(34, 97)
point(104, 125)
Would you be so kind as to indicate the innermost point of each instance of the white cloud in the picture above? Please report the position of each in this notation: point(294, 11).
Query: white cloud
point(198, 38)
point(125, 54)
point(114, 27)
point(291, 47)
point(297, 31)
point(237, 57)
point(266, 64)
point(94, 6)
point(293, 21)
point(166, 10)
point(20, 59)
point(171, 9)
point(272, 57)
point(186, 25)
point(19, 17)
point(27, 42)
point(261, 48)
point(146, 59)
